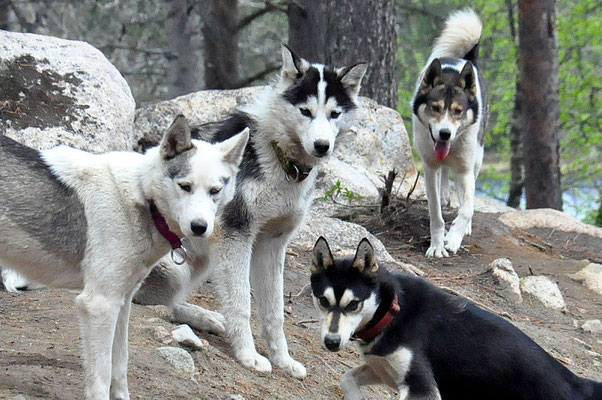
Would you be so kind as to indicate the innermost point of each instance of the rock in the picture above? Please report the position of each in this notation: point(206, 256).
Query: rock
point(161, 335)
point(591, 277)
point(544, 290)
point(186, 337)
point(57, 91)
point(592, 326)
point(19, 397)
point(375, 142)
point(548, 218)
point(236, 397)
point(506, 279)
point(179, 359)
point(343, 237)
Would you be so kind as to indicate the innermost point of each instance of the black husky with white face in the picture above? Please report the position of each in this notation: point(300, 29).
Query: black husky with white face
point(436, 345)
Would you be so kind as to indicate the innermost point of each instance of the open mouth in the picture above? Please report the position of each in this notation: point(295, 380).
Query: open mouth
point(441, 147)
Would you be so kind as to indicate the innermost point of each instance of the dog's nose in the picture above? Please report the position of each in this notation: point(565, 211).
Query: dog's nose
point(444, 134)
point(321, 147)
point(198, 226)
point(332, 342)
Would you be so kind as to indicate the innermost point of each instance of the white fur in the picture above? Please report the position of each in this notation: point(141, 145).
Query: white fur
point(122, 242)
point(15, 282)
point(462, 32)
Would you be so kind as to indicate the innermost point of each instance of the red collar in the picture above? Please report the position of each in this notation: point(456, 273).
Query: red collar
point(376, 329)
point(162, 227)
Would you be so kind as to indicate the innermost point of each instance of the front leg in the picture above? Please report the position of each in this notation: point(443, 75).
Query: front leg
point(437, 224)
point(353, 379)
point(466, 188)
point(119, 382)
point(233, 258)
point(267, 279)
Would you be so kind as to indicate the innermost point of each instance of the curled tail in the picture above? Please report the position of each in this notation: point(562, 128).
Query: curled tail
point(460, 37)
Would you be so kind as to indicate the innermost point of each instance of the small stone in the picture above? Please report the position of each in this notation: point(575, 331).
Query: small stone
point(184, 335)
point(161, 335)
point(592, 326)
point(544, 290)
point(236, 397)
point(591, 277)
point(19, 397)
point(505, 276)
point(179, 359)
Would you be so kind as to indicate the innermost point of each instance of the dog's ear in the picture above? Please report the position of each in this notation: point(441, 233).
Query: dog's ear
point(293, 66)
point(177, 139)
point(234, 147)
point(365, 259)
point(321, 256)
point(432, 77)
point(351, 77)
point(467, 80)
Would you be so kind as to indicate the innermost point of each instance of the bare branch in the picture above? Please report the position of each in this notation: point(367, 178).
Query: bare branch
point(260, 75)
point(269, 7)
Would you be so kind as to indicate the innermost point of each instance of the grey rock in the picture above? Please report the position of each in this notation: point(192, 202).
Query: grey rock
point(544, 290)
point(592, 326)
point(184, 335)
point(591, 277)
point(161, 335)
point(60, 91)
point(548, 218)
point(506, 279)
point(179, 359)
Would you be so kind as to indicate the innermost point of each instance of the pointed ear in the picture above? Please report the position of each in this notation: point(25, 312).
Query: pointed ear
point(234, 147)
point(177, 139)
point(365, 259)
point(322, 257)
point(467, 81)
point(432, 76)
point(351, 77)
point(293, 66)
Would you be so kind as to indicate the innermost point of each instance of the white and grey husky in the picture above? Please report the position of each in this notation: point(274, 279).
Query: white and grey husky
point(449, 121)
point(75, 220)
point(294, 125)
point(425, 343)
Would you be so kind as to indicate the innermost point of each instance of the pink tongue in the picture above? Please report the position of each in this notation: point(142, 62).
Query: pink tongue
point(441, 149)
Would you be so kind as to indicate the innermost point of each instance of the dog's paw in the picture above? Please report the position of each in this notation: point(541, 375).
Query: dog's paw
point(436, 251)
point(468, 230)
point(254, 360)
point(294, 368)
point(453, 242)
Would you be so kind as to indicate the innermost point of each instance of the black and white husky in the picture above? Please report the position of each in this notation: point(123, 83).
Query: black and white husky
point(449, 120)
point(294, 125)
point(98, 223)
point(428, 344)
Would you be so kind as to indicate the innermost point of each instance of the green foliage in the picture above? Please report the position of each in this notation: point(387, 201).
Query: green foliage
point(337, 190)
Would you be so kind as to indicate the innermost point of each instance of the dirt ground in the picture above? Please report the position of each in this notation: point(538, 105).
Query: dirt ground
point(40, 345)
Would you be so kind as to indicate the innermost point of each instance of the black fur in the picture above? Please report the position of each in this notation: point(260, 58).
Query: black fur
point(469, 353)
point(306, 85)
point(236, 216)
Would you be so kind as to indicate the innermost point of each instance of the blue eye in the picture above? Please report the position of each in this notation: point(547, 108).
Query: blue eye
point(305, 112)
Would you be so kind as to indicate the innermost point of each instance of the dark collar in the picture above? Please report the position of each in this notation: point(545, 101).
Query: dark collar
point(162, 227)
point(294, 172)
point(375, 328)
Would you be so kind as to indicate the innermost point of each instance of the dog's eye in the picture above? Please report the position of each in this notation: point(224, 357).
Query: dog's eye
point(305, 112)
point(214, 190)
point(324, 302)
point(335, 114)
point(352, 306)
point(436, 108)
point(457, 111)
point(185, 187)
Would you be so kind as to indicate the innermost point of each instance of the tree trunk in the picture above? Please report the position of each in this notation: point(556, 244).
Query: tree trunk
point(182, 71)
point(220, 35)
point(4, 20)
point(343, 32)
point(540, 115)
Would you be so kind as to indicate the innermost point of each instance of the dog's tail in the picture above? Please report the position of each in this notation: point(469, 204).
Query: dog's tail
point(460, 37)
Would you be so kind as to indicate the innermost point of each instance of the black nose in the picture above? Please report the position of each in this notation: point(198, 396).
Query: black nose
point(332, 342)
point(198, 226)
point(444, 134)
point(321, 147)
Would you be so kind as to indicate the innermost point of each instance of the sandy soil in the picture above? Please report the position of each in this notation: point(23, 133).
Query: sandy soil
point(40, 345)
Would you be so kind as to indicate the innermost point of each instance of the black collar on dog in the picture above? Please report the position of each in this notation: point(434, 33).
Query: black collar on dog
point(294, 172)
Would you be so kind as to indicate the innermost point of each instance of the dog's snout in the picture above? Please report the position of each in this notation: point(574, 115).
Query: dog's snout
point(332, 342)
point(321, 147)
point(444, 134)
point(198, 227)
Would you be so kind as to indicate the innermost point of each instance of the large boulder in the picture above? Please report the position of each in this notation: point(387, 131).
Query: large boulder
point(56, 91)
point(375, 143)
point(548, 218)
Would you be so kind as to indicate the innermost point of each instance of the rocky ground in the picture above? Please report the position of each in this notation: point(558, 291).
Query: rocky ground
point(40, 345)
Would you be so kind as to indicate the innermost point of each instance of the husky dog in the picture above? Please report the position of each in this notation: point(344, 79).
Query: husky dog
point(294, 125)
point(98, 223)
point(426, 343)
point(449, 120)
